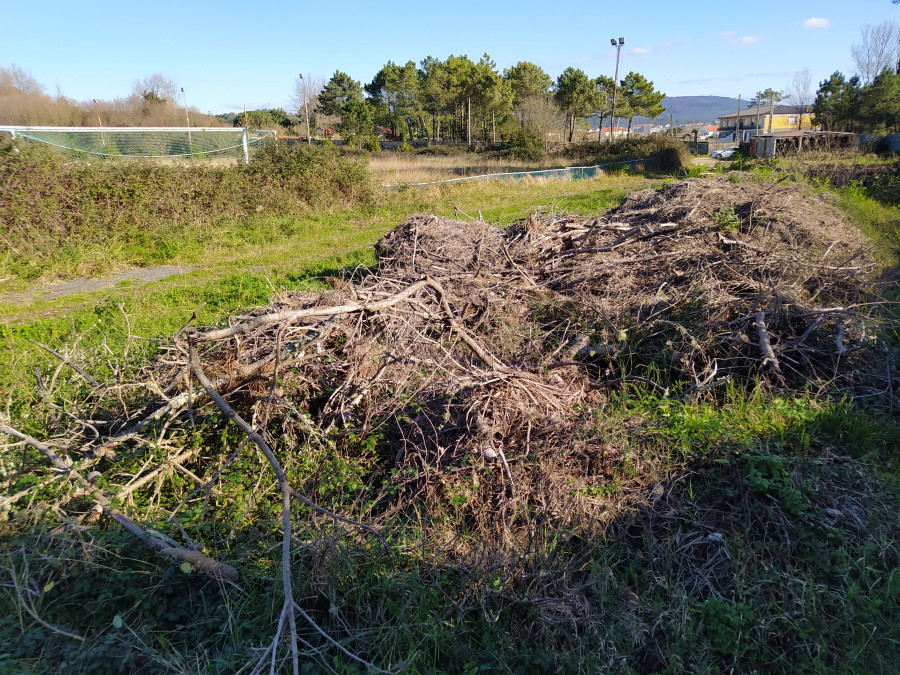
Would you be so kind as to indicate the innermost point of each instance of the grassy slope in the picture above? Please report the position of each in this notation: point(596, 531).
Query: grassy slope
point(738, 564)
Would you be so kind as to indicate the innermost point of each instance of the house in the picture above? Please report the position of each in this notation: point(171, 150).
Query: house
point(387, 134)
point(703, 131)
point(618, 132)
point(642, 129)
point(764, 119)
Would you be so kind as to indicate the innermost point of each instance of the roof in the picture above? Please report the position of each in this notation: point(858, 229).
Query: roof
point(764, 110)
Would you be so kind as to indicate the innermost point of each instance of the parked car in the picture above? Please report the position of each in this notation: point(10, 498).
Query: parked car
point(724, 153)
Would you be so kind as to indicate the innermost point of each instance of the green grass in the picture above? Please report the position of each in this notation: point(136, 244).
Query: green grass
point(879, 219)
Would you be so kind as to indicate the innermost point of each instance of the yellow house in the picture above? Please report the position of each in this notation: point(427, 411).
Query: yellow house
point(765, 119)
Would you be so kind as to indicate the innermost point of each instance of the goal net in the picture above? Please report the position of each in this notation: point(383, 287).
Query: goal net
point(146, 142)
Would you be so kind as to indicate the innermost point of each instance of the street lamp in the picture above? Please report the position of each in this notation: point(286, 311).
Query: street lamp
point(305, 107)
point(618, 45)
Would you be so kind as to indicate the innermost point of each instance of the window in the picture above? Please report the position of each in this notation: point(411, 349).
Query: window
point(792, 120)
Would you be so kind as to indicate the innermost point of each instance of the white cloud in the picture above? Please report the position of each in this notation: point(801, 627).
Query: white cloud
point(817, 22)
point(731, 37)
point(640, 50)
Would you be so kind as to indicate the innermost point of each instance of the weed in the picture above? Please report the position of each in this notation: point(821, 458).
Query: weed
point(727, 218)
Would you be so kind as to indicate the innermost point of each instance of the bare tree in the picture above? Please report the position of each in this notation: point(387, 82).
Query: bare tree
point(305, 97)
point(540, 115)
point(879, 48)
point(801, 94)
point(156, 88)
point(18, 80)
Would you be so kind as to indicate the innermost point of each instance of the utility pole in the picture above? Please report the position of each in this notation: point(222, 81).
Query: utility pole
point(771, 110)
point(612, 120)
point(737, 123)
point(758, 106)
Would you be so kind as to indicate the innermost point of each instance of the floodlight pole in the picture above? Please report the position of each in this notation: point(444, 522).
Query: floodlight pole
point(187, 120)
point(612, 121)
point(305, 107)
point(100, 122)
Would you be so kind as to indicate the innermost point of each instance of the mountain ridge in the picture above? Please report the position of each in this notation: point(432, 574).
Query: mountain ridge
point(699, 109)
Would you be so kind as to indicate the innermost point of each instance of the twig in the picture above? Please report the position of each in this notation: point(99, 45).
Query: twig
point(260, 442)
point(512, 485)
point(26, 604)
point(295, 314)
point(143, 480)
point(200, 561)
point(627, 238)
point(765, 344)
point(342, 648)
point(839, 341)
point(45, 395)
point(90, 380)
point(629, 378)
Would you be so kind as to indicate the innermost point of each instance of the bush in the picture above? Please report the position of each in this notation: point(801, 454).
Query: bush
point(525, 144)
point(318, 175)
point(51, 205)
point(662, 152)
point(371, 144)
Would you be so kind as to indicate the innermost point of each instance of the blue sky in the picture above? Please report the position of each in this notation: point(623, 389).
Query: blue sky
point(229, 54)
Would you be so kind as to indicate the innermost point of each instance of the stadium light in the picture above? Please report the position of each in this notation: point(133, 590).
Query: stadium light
point(618, 47)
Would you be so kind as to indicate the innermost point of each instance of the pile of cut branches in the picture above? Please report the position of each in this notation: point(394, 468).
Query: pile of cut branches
point(471, 347)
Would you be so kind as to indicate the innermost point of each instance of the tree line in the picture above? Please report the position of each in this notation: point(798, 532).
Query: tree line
point(458, 99)
point(870, 99)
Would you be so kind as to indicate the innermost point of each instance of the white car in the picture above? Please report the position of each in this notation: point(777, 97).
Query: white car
point(725, 153)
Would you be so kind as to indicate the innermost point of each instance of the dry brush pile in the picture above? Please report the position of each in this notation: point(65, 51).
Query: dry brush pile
point(471, 348)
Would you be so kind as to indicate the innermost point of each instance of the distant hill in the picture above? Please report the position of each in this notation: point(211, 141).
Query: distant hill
point(695, 109)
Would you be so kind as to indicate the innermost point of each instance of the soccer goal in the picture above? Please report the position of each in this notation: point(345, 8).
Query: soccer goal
point(146, 142)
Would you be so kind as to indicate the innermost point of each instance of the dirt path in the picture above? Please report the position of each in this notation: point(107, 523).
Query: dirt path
point(138, 275)
point(705, 161)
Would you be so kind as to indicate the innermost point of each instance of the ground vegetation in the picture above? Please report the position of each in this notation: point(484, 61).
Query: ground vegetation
point(657, 437)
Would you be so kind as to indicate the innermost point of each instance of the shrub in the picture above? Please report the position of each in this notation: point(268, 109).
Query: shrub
point(662, 152)
point(525, 144)
point(371, 144)
point(51, 205)
point(318, 175)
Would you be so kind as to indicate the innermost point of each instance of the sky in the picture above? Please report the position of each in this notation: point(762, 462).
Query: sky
point(230, 54)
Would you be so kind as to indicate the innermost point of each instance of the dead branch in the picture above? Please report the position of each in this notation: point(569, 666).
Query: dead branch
point(210, 566)
point(765, 343)
point(260, 442)
point(74, 366)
